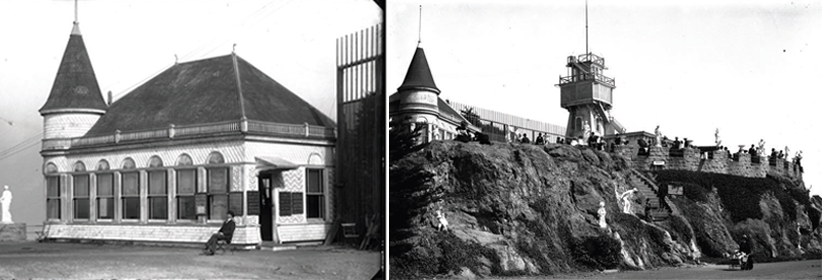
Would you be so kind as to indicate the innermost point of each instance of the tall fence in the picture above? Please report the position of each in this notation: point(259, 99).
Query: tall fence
point(502, 127)
point(360, 126)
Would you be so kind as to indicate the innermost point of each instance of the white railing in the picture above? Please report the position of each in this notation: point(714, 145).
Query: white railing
point(257, 127)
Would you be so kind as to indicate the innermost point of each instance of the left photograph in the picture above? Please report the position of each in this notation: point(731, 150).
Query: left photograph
point(196, 128)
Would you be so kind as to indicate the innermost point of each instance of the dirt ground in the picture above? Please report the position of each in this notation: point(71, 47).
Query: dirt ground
point(808, 269)
point(73, 260)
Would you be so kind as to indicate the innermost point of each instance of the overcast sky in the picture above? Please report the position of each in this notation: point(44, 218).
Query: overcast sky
point(129, 41)
point(750, 69)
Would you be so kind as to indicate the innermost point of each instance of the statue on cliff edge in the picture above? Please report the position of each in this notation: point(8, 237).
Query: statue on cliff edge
point(761, 149)
point(601, 213)
point(5, 199)
point(626, 201)
point(658, 137)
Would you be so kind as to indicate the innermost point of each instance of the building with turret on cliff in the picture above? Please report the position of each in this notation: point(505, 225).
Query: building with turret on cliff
point(168, 160)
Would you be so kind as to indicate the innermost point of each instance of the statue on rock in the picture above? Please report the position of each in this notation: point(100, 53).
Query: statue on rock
point(658, 137)
point(716, 135)
point(626, 201)
point(586, 133)
point(761, 149)
point(601, 213)
point(5, 199)
point(442, 222)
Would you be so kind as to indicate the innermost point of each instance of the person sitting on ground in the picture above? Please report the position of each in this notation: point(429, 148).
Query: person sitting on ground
point(525, 139)
point(225, 233)
point(780, 155)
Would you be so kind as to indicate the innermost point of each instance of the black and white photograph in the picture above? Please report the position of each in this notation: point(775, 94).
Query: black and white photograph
point(604, 139)
point(191, 139)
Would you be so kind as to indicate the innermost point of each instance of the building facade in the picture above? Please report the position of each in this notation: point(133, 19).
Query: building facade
point(167, 161)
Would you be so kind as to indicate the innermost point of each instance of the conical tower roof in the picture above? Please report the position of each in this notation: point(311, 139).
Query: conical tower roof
point(75, 88)
point(419, 75)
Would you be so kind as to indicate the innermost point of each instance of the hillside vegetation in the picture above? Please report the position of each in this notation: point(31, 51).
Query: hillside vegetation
point(532, 210)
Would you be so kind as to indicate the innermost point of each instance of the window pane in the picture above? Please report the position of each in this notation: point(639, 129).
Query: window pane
point(159, 208)
point(186, 181)
point(218, 180)
point(130, 184)
point(315, 207)
point(81, 208)
point(105, 208)
point(53, 208)
point(314, 181)
point(131, 208)
point(185, 208)
point(218, 205)
point(53, 189)
point(81, 186)
point(157, 182)
point(104, 185)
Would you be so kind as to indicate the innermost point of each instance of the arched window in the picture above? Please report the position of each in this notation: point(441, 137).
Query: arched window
point(215, 158)
point(102, 165)
point(79, 166)
point(128, 163)
point(186, 187)
point(155, 161)
point(157, 190)
point(82, 207)
point(217, 187)
point(184, 160)
point(52, 192)
point(105, 191)
point(51, 168)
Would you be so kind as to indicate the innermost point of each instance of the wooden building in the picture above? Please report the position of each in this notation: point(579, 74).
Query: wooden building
point(166, 162)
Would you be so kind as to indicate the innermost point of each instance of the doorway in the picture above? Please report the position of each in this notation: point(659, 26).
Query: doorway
point(266, 206)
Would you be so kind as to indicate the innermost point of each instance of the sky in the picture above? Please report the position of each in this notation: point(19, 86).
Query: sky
point(130, 41)
point(750, 69)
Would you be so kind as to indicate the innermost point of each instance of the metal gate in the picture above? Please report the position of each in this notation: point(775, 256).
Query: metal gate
point(361, 126)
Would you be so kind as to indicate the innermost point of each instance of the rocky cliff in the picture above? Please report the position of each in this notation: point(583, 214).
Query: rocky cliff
point(532, 210)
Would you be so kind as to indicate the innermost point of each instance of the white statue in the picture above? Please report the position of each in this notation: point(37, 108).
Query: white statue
point(443, 223)
point(626, 201)
point(716, 135)
point(787, 153)
point(761, 149)
point(586, 133)
point(601, 213)
point(658, 137)
point(6, 201)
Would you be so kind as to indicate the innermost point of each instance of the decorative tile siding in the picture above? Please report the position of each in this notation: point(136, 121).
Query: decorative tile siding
point(306, 232)
point(67, 125)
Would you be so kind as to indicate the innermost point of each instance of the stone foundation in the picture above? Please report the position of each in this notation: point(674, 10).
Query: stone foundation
point(12, 232)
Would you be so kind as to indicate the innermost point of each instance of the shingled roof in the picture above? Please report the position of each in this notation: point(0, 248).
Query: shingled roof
point(75, 87)
point(206, 91)
point(419, 75)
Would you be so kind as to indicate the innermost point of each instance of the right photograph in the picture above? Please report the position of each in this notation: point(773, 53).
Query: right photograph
point(592, 139)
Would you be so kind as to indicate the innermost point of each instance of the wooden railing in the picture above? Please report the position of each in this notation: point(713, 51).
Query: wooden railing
point(241, 126)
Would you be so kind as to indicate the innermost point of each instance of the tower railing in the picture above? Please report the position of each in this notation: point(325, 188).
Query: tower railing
point(587, 77)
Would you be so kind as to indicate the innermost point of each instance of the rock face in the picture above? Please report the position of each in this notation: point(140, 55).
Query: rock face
point(532, 210)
